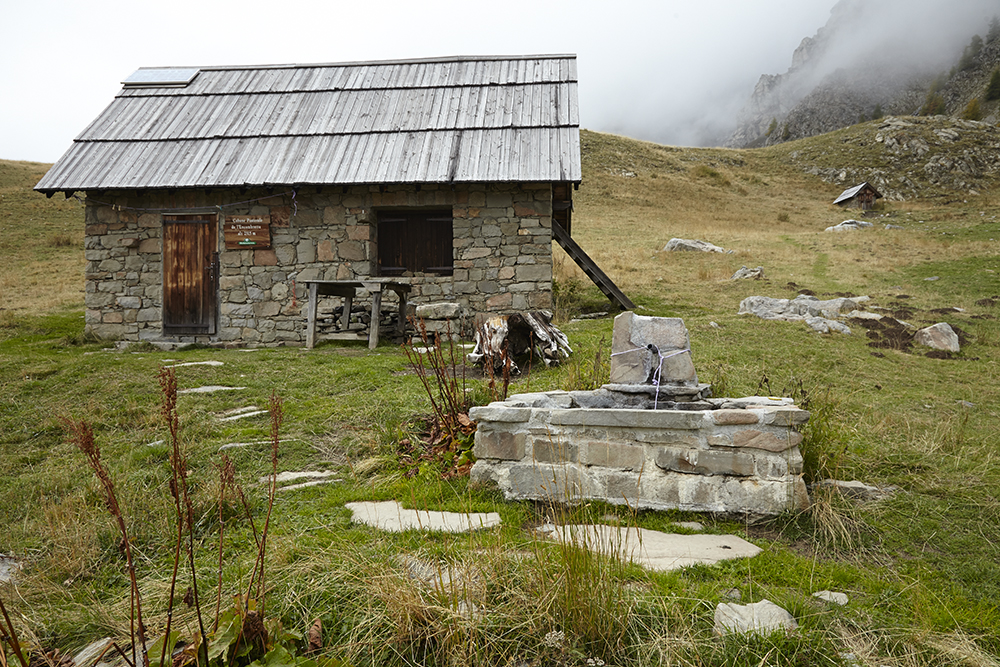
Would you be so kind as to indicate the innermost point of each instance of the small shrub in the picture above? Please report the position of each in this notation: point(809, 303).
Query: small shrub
point(973, 110)
point(993, 89)
point(782, 217)
point(934, 105)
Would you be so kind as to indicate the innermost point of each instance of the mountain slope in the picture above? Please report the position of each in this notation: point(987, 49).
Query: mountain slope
point(862, 65)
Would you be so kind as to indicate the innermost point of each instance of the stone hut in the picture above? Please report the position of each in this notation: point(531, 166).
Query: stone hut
point(861, 196)
point(213, 193)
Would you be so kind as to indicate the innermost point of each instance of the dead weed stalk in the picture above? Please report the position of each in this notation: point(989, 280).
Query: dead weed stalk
point(82, 435)
point(449, 433)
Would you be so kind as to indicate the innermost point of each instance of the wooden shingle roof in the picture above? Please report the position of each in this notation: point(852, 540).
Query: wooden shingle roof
point(442, 120)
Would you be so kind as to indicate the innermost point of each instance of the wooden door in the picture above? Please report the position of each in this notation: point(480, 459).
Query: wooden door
point(190, 261)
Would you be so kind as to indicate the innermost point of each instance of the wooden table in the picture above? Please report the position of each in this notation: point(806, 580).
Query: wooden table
point(347, 290)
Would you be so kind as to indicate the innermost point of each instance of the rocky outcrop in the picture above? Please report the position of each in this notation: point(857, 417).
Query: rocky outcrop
point(909, 157)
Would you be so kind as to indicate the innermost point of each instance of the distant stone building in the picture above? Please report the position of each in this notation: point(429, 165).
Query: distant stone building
point(213, 193)
point(860, 196)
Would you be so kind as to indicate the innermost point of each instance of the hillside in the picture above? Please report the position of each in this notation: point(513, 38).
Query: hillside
point(41, 242)
point(919, 559)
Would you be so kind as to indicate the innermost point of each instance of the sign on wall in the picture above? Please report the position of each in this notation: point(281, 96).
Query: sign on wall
point(247, 231)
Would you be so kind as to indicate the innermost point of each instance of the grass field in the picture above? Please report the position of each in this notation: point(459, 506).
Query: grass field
point(921, 566)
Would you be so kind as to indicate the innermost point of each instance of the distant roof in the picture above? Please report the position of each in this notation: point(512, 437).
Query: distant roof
point(438, 120)
point(851, 193)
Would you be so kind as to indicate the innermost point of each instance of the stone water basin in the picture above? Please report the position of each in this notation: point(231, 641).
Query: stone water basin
point(639, 445)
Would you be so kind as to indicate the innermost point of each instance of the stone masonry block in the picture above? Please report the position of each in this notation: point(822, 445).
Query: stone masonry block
point(652, 419)
point(734, 417)
point(499, 445)
point(768, 441)
point(785, 416)
point(705, 462)
point(546, 450)
point(621, 487)
point(499, 413)
point(612, 455)
point(562, 483)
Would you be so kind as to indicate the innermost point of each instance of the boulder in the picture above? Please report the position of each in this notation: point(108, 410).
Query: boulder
point(691, 246)
point(939, 336)
point(762, 617)
point(850, 226)
point(745, 274)
point(819, 315)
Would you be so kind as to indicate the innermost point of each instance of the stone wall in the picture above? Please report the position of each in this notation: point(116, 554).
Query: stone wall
point(741, 457)
point(502, 254)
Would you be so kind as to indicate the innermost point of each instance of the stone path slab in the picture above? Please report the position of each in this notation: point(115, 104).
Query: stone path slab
point(196, 363)
point(209, 389)
point(391, 516)
point(653, 549)
point(235, 445)
point(242, 413)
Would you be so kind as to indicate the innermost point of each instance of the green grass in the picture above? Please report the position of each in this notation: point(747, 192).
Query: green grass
point(922, 567)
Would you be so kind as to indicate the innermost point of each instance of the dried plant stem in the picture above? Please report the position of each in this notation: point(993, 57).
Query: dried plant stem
point(82, 435)
point(277, 415)
point(168, 385)
point(12, 637)
point(227, 479)
point(185, 514)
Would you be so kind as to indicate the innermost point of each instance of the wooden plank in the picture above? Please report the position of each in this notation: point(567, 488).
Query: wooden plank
point(311, 316)
point(373, 326)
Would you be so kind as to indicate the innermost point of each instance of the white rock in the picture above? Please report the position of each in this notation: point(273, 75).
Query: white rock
point(939, 336)
point(745, 273)
point(849, 226)
point(832, 596)
point(8, 568)
point(692, 245)
point(759, 617)
point(197, 363)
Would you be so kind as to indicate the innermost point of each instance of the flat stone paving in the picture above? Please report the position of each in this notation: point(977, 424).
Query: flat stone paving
point(652, 549)
point(391, 516)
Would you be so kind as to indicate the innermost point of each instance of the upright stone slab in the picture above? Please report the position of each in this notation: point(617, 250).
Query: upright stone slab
point(633, 361)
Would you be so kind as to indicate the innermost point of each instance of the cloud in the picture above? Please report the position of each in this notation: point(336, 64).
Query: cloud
point(670, 71)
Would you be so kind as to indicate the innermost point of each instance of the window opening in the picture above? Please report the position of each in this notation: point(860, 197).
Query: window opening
point(415, 242)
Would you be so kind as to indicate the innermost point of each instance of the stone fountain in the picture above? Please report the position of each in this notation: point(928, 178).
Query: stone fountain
point(653, 438)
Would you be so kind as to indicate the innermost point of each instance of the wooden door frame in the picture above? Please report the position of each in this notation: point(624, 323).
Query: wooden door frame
point(210, 273)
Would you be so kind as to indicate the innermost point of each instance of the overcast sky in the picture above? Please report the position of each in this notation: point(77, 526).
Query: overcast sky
point(668, 71)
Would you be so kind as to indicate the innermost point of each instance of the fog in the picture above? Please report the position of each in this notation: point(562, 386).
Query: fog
point(926, 36)
point(669, 71)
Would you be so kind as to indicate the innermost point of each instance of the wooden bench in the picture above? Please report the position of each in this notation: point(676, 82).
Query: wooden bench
point(347, 290)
